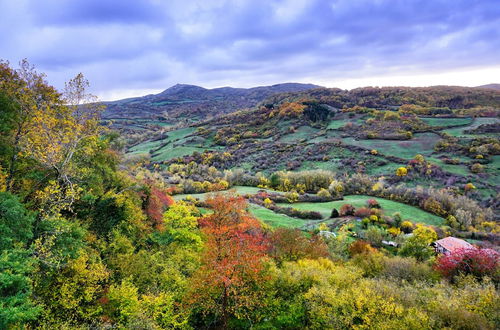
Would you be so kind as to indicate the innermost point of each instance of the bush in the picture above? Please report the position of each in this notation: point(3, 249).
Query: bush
point(418, 245)
point(362, 212)
point(476, 262)
point(371, 263)
point(360, 247)
point(375, 235)
point(324, 193)
point(477, 168)
point(394, 231)
point(407, 227)
point(292, 245)
point(347, 210)
point(401, 171)
point(373, 204)
point(408, 269)
point(336, 188)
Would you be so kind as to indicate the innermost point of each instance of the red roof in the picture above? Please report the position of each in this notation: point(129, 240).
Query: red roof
point(453, 243)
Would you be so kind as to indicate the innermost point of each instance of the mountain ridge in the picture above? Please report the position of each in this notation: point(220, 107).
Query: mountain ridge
point(490, 86)
point(196, 102)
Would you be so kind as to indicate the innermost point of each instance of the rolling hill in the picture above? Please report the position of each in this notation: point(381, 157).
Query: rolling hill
point(192, 103)
point(490, 86)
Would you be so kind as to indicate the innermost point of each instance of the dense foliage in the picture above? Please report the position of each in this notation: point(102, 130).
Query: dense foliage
point(90, 240)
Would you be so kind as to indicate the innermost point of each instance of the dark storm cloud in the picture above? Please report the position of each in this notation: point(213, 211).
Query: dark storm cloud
point(129, 44)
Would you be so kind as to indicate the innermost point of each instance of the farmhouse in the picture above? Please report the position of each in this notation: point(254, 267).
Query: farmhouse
point(450, 244)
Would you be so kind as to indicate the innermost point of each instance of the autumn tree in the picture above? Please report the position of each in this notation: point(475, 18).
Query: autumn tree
point(28, 94)
point(60, 133)
point(292, 245)
point(418, 245)
point(45, 131)
point(232, 263)
point(472, 261)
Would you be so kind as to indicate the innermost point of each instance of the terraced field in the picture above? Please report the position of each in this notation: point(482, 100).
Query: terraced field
point(175, 145)
point(240, 190)
point(303, 132)
point(444, 122)
point(421, 143)
point(275, 219)
point(459, 131)
point(412, 213)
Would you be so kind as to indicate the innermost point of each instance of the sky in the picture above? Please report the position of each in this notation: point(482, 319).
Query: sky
point(135, 47)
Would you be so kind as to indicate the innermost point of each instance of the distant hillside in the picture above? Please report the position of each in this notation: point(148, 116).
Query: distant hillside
point(453, 97)
point(193, 102)
point(490, 86)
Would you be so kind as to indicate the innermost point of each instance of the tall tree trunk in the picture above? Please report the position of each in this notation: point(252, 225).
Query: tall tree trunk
point(225, 316)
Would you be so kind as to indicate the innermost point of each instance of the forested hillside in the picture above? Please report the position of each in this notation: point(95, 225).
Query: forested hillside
point(313, 210)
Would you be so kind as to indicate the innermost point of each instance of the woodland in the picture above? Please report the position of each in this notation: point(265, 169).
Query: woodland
point(309, 208)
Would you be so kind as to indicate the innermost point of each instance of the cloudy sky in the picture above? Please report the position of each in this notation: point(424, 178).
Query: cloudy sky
point(131, 47)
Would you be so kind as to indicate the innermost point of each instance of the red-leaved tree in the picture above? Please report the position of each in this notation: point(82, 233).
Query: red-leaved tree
point(232, 264)
point(157, 202)
point(292, 244)
point(477, 262)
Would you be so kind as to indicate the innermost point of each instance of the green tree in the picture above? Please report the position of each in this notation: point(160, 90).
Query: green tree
point(16, 305)
point(15, 221)
point(418, 245)
point(16, 263)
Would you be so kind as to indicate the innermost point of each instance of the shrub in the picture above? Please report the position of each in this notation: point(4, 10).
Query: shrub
point(347, 210)
point(396, 217)
point(360, 247)
point(452, 222)
point(375, 235)
point(477, 168)
point(418, 245)
point(389, 115)
point(433, 206)
point(469, 186)
point(292, 244)
point(267, 202)
point(372, 203)
point(335, 188)
point(476, 262)
point(394, 231)
point(292, 196)
point(401, 171)
point(324, 193)
point(362, 212)
point(407, 227)
point(408, 269)
point(371, 263)
point(335, 214)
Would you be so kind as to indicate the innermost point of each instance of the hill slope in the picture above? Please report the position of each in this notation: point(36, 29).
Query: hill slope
point(490, 86)
point(194, 103)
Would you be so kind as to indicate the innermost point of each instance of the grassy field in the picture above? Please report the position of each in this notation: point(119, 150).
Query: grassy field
point(303, 132)
point(412, 213)
point(422, 143)
point(170, 149)
point(169, 152)
point(337, 123)
point(144, 147)
point(455, 169)
point(447, 121)
point(459, 131)
point(275, 219)
point(240, 190)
